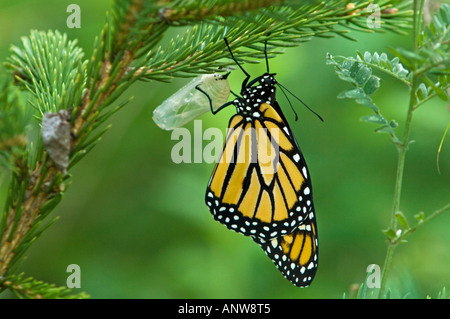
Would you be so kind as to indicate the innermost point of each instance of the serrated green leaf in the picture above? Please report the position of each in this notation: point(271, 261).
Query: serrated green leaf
point(420, 38)
point(430, 31)
point(346, 77)
point(367, 101)
point(395, 61)
point(444, 13)
point(372, 85)
point(383, 59)
point(354, 68)
point(376, 58)
point(390, 233)
point(393, 124)
point(401, 218)
point(356, 93)
point(404, 57)
point(384, 129)
point(399, 70)
point(421, 91)
point(441, 93)
point(363, 75)
point(419, 217)
point(347, 65)
point(374, 118)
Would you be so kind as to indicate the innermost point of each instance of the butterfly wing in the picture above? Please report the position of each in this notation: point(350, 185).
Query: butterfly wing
point(260, 186)
point(296, 254)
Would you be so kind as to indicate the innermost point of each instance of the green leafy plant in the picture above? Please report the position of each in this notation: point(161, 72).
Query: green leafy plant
point(424, 69)
point(79, 94)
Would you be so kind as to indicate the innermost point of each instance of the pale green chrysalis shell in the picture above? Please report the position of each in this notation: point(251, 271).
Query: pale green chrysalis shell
point(189, 103)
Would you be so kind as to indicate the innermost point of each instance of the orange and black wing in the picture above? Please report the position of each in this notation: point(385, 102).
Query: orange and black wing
point(296, 254)
point(260, 186)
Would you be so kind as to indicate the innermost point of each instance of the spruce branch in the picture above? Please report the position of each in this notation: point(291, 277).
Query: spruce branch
point(14, 119)
point(187, 12)
point(51, 68)
point(31, 288)
point(201, 49)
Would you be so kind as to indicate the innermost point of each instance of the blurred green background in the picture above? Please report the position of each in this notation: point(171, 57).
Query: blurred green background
point(137, 225)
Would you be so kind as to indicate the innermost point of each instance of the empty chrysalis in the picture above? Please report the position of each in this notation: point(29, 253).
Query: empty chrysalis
point(189, 102)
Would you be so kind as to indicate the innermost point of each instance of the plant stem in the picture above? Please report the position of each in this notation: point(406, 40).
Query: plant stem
point(17, 227)
point(402, 149)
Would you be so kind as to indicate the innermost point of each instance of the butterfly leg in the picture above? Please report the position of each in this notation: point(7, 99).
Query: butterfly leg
point(210, 101)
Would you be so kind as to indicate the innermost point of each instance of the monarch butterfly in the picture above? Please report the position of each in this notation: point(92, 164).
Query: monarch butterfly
point(190, 101)
point(271, 203)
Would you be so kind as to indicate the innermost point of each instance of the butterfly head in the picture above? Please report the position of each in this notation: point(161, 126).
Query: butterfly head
point(260, 90)
point(268, 79)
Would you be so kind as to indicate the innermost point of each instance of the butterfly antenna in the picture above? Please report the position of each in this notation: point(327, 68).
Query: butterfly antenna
point(283, 87)
point(234, 59)
point(287, 98)
point(247, 76)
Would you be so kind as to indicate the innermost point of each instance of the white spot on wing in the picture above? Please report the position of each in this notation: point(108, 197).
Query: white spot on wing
point(307, 191)
point(304, 172)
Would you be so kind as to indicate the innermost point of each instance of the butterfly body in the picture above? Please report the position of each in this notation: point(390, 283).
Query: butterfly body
point(253, 95)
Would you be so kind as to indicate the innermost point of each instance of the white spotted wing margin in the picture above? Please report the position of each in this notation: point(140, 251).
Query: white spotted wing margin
point(295, 255)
